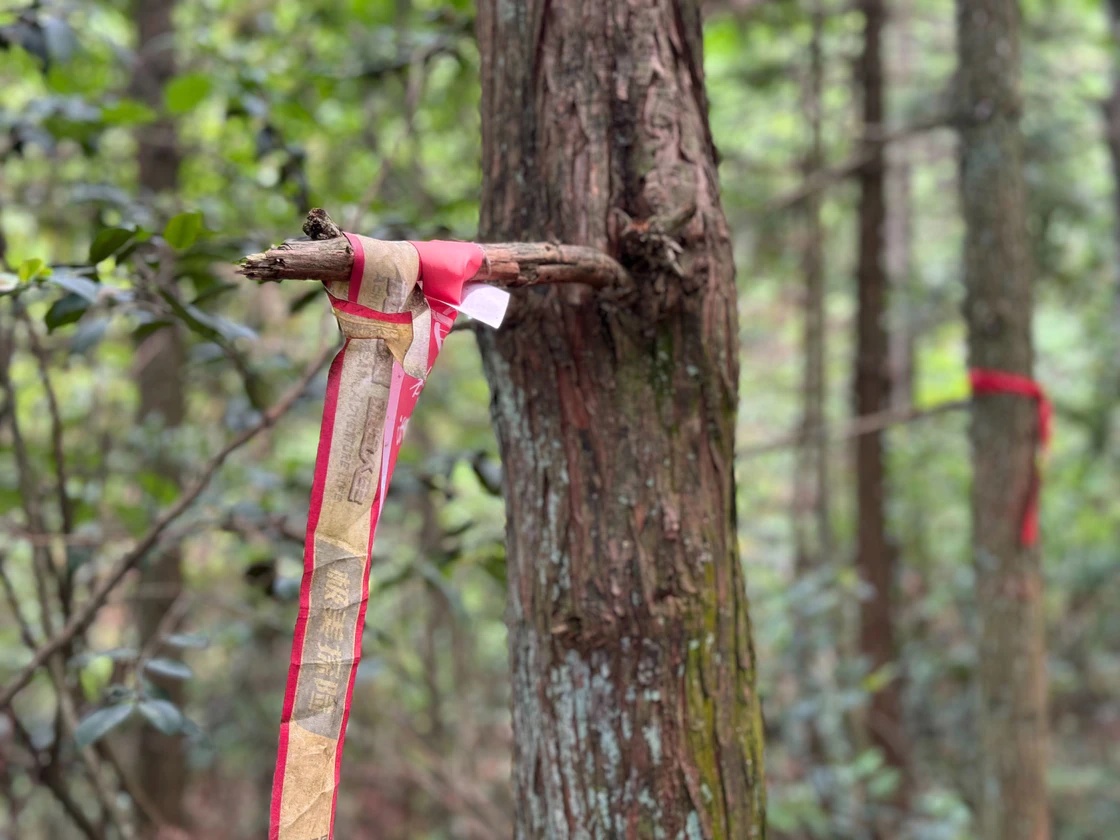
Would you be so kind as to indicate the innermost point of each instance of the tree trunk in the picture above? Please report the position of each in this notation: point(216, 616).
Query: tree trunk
point(1004, 433)
point(634, 707)
point(162, 767)
point(812, 521)
point(875, 554)
point(812, 527)
point(1108, 388)
point(903, 333)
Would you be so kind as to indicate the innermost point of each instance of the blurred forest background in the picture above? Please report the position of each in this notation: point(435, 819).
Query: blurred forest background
point(145, 148)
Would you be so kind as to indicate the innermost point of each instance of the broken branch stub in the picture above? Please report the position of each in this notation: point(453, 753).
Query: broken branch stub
point(327, 256)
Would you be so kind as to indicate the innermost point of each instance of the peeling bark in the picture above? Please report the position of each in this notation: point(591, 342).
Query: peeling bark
point(997, 270)
point(634, 708)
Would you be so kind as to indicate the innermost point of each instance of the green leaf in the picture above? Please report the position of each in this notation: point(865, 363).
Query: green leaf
point(182, 231)
point(65, 310)
point(213, 327)
point(30, 269)
point(187, 640)
point(99, 723)
point(170, 668)
point(76, 283)
point(119, 654)
point(88, 335)
point(158, 486)
point(163, 715)
point(127, 112)
point(108, 242)
point(184, 92)
point(95, 675)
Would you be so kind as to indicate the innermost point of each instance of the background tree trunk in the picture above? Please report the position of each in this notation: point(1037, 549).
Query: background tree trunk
point(904, 307)
point(1011, 665)
point(812, 527)
point(875, 553)
point(161, 761)
point(812, 520)
point(1108, 387)
point(633, 670)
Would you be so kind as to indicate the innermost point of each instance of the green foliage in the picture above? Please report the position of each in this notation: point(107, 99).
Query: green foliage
point(99, 723)
point(183, 230)
point(164, 716)
point(370, 109)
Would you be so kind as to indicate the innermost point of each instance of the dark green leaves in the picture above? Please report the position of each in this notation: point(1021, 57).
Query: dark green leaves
point(194, 641)
point(163, 715)
point(213, 327)
point(75, 283)
point(127, 112)
point(185, 92)
point(65, 310)
point(108, 242)
point(100, 723)
point(171, 668)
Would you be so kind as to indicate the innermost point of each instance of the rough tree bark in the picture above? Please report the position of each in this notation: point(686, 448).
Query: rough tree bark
point(161, 760)
point(634, 707)
point(997, 271)
point(875, 553)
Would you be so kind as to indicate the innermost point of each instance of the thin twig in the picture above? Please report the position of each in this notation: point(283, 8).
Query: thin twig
point(866, 425)
point(25, 633)
point(826, 177)
point(167, 623)
point(135, 791)
point(84, 615)
point(42, 566)
point(69, 715)
point(65, 505)
point(54, 783)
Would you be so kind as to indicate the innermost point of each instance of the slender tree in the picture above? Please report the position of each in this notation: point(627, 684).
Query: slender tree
point(162, 768)
point(634, 705)
point(1004, 433)
point(903, 331)
point(812, 522)
point(1109, 386)
point(875, 553)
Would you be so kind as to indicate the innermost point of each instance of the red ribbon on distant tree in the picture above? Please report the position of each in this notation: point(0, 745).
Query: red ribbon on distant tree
point(1001, 382)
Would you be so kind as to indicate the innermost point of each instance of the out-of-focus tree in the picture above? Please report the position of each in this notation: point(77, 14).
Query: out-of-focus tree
point(1006, 427)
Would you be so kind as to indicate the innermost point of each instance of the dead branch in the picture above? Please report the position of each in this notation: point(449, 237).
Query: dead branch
point(327, 256)
point(824, 178)
point(866, 425)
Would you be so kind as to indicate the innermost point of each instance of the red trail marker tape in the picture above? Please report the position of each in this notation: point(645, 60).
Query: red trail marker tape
point(986, 381)
point(395, 312)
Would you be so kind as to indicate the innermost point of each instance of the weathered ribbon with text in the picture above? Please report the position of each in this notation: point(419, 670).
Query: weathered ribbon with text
point(396, 310)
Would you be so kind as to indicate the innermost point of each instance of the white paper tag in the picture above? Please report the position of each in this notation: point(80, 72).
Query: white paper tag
point(484, 303)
